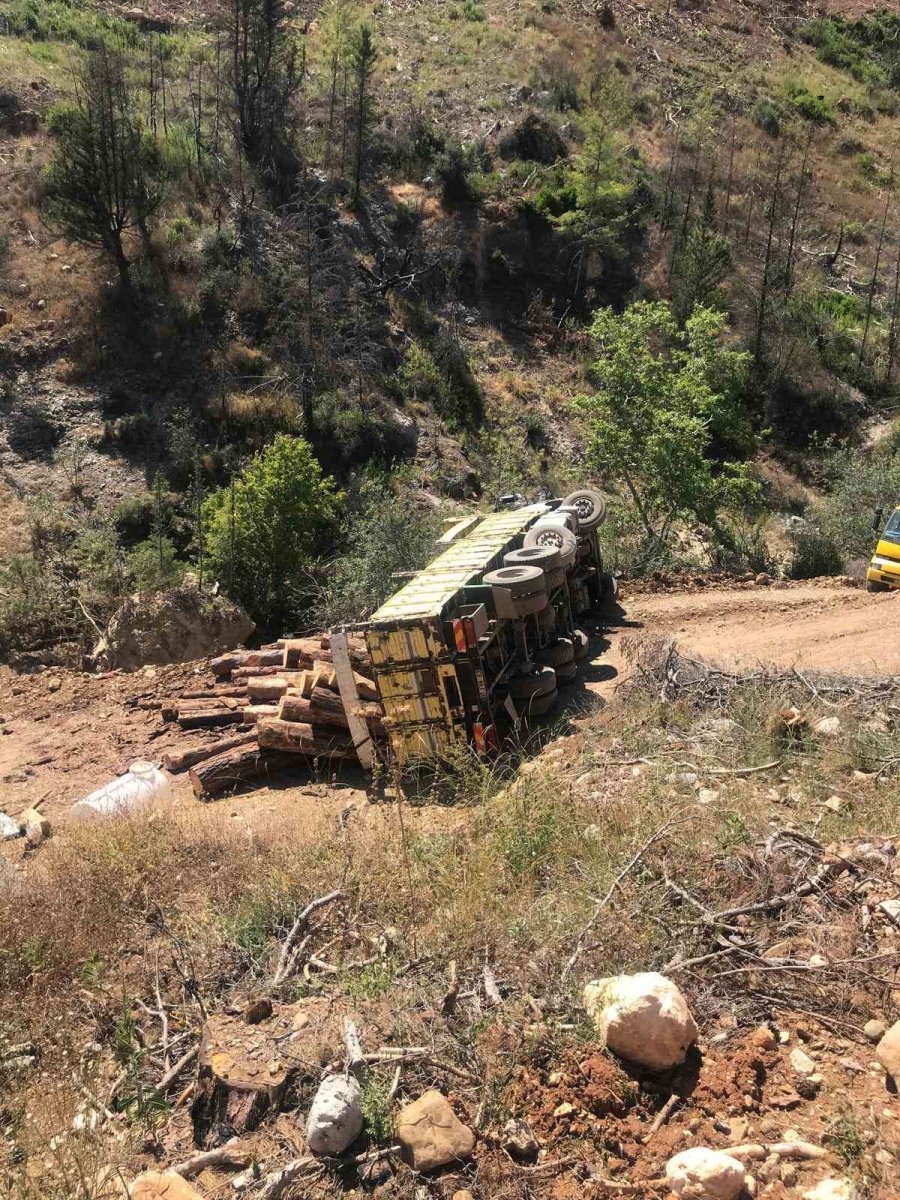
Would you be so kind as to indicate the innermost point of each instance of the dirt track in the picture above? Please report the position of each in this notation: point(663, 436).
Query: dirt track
point(817, 626)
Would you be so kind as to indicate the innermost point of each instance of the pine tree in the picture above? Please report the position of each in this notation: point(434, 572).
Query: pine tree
point(362, 63)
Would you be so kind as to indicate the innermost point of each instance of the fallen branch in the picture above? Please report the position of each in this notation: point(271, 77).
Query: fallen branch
point(601, 904)
point(662, 1116)
point(170, 1076)
point(285, 958)
point(769, 766)
point(448, 1004)
point(277, 1182)
point(229, 1155)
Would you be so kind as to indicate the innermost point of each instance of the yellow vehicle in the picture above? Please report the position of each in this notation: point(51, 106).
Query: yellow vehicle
point(884, 569)
point(484, 637)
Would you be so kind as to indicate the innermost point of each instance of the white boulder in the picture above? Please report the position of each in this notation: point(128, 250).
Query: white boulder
point(702, 1174)
point(642, 1017)
point(830, 1189)
point(9, 827)
point(335, 1117)
point(828, 727)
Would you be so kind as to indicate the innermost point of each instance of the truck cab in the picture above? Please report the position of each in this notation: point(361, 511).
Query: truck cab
point(884, 569)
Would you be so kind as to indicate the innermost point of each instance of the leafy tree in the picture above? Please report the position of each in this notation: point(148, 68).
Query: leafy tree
point(362, 63)
point(666, 399)
point(106, 176)
point(265, 532)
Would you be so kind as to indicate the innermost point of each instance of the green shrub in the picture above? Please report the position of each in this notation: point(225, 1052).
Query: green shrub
point(814, 554)
point(265, 532)
point(388, 534)
point(810, 106)
point(767, 115)
point(455, 167)
point(68, 21)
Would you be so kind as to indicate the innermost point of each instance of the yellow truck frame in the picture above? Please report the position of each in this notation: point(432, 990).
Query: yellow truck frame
point(884, 569)
point(440, 657)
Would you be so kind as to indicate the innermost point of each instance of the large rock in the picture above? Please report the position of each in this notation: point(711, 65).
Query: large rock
point(701, 1174)
point(431, 1135)
point(888, 1051)
point(162, 1185)
point(9, 827)
point(335, 1117)
point(642, 1017)
point(176, 626)
point(830, 1189)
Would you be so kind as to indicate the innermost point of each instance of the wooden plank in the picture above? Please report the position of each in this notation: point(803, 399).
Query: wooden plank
point(346, 680)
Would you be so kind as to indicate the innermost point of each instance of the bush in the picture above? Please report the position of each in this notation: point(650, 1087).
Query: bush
point(265, 532)
point(814, 554)
point(557, 77)
point(534, 139)
point(455, 166)
point(810, 106)
point(863, 482)
point(438, 375)
point(388, 533)
point(767, 115)
point(346, 433)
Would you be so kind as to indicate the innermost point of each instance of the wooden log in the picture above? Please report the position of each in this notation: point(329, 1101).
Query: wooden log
point(304, 652)
point(242, 674)
point(268, 689)
point(227, 770)
point(180, 760)
point(209, 717)
point(298, 738)
point(293, 708)
point(214, 693)
point(327, 708)
point(225, 664)
point(253, 712)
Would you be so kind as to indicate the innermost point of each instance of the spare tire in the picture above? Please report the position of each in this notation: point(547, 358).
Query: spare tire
point(546, 618)
point(539, 683)
point(581, 643)
point(558, 536)
point(545, 557)
point(539, 705)
point(519, 580)
point(566, 673)
point(557, 655)
point(589, 506)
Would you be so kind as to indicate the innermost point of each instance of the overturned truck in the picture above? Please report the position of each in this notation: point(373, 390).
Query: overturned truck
point(484, 637)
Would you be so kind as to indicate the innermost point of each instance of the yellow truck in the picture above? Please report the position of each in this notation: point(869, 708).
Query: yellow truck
point(884, 569)
point(485, 637)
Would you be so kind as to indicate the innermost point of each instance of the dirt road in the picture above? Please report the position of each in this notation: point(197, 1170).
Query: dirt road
point(817, 626)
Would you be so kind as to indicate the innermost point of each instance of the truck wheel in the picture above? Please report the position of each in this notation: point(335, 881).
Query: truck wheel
point(566, 674)
point(545, 557)
point(523, 687)
point(559, 537)
point(518, 581)
point(527, 606)
point(546, 618)
point(555, 578)
point(589, 506)
point(872, 585)
point(557, 655)
point(582, 644)
point(538, 706)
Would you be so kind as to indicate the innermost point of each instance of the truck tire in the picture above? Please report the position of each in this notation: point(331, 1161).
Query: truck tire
point(582, 644)
point(872, 585)
point(539, 706)
point(555, 578)
point(540, 683)
point(517, 580)
point(546, 618)
point(545, 557)
point(590, 507)
point(557, 655)
point(528, 606)
point(558, 536)
point(566, 674)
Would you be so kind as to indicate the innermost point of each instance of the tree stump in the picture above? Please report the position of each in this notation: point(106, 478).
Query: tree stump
point(241, 1078)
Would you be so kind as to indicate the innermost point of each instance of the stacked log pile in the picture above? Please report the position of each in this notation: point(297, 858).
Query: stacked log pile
point(272, 705)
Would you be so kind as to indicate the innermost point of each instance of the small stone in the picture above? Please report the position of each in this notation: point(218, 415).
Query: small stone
point(519, 1141)
point(818, 960)
point(9, 828)
point(463, 1194)
point(874, 1029)
point(703, 1174)
point(891, 909)
point(834, 803)
point(707, 796)
point(564, 1110)
point(788, 1174)
point(431, 1135)
point(888, 1051)
point(762, 579)
point(763, 1038)
point(643, 1018)
point(801, 1063)
point(258, 1010)
point(34, 820)
point(828, 727)
point(810, 1087)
